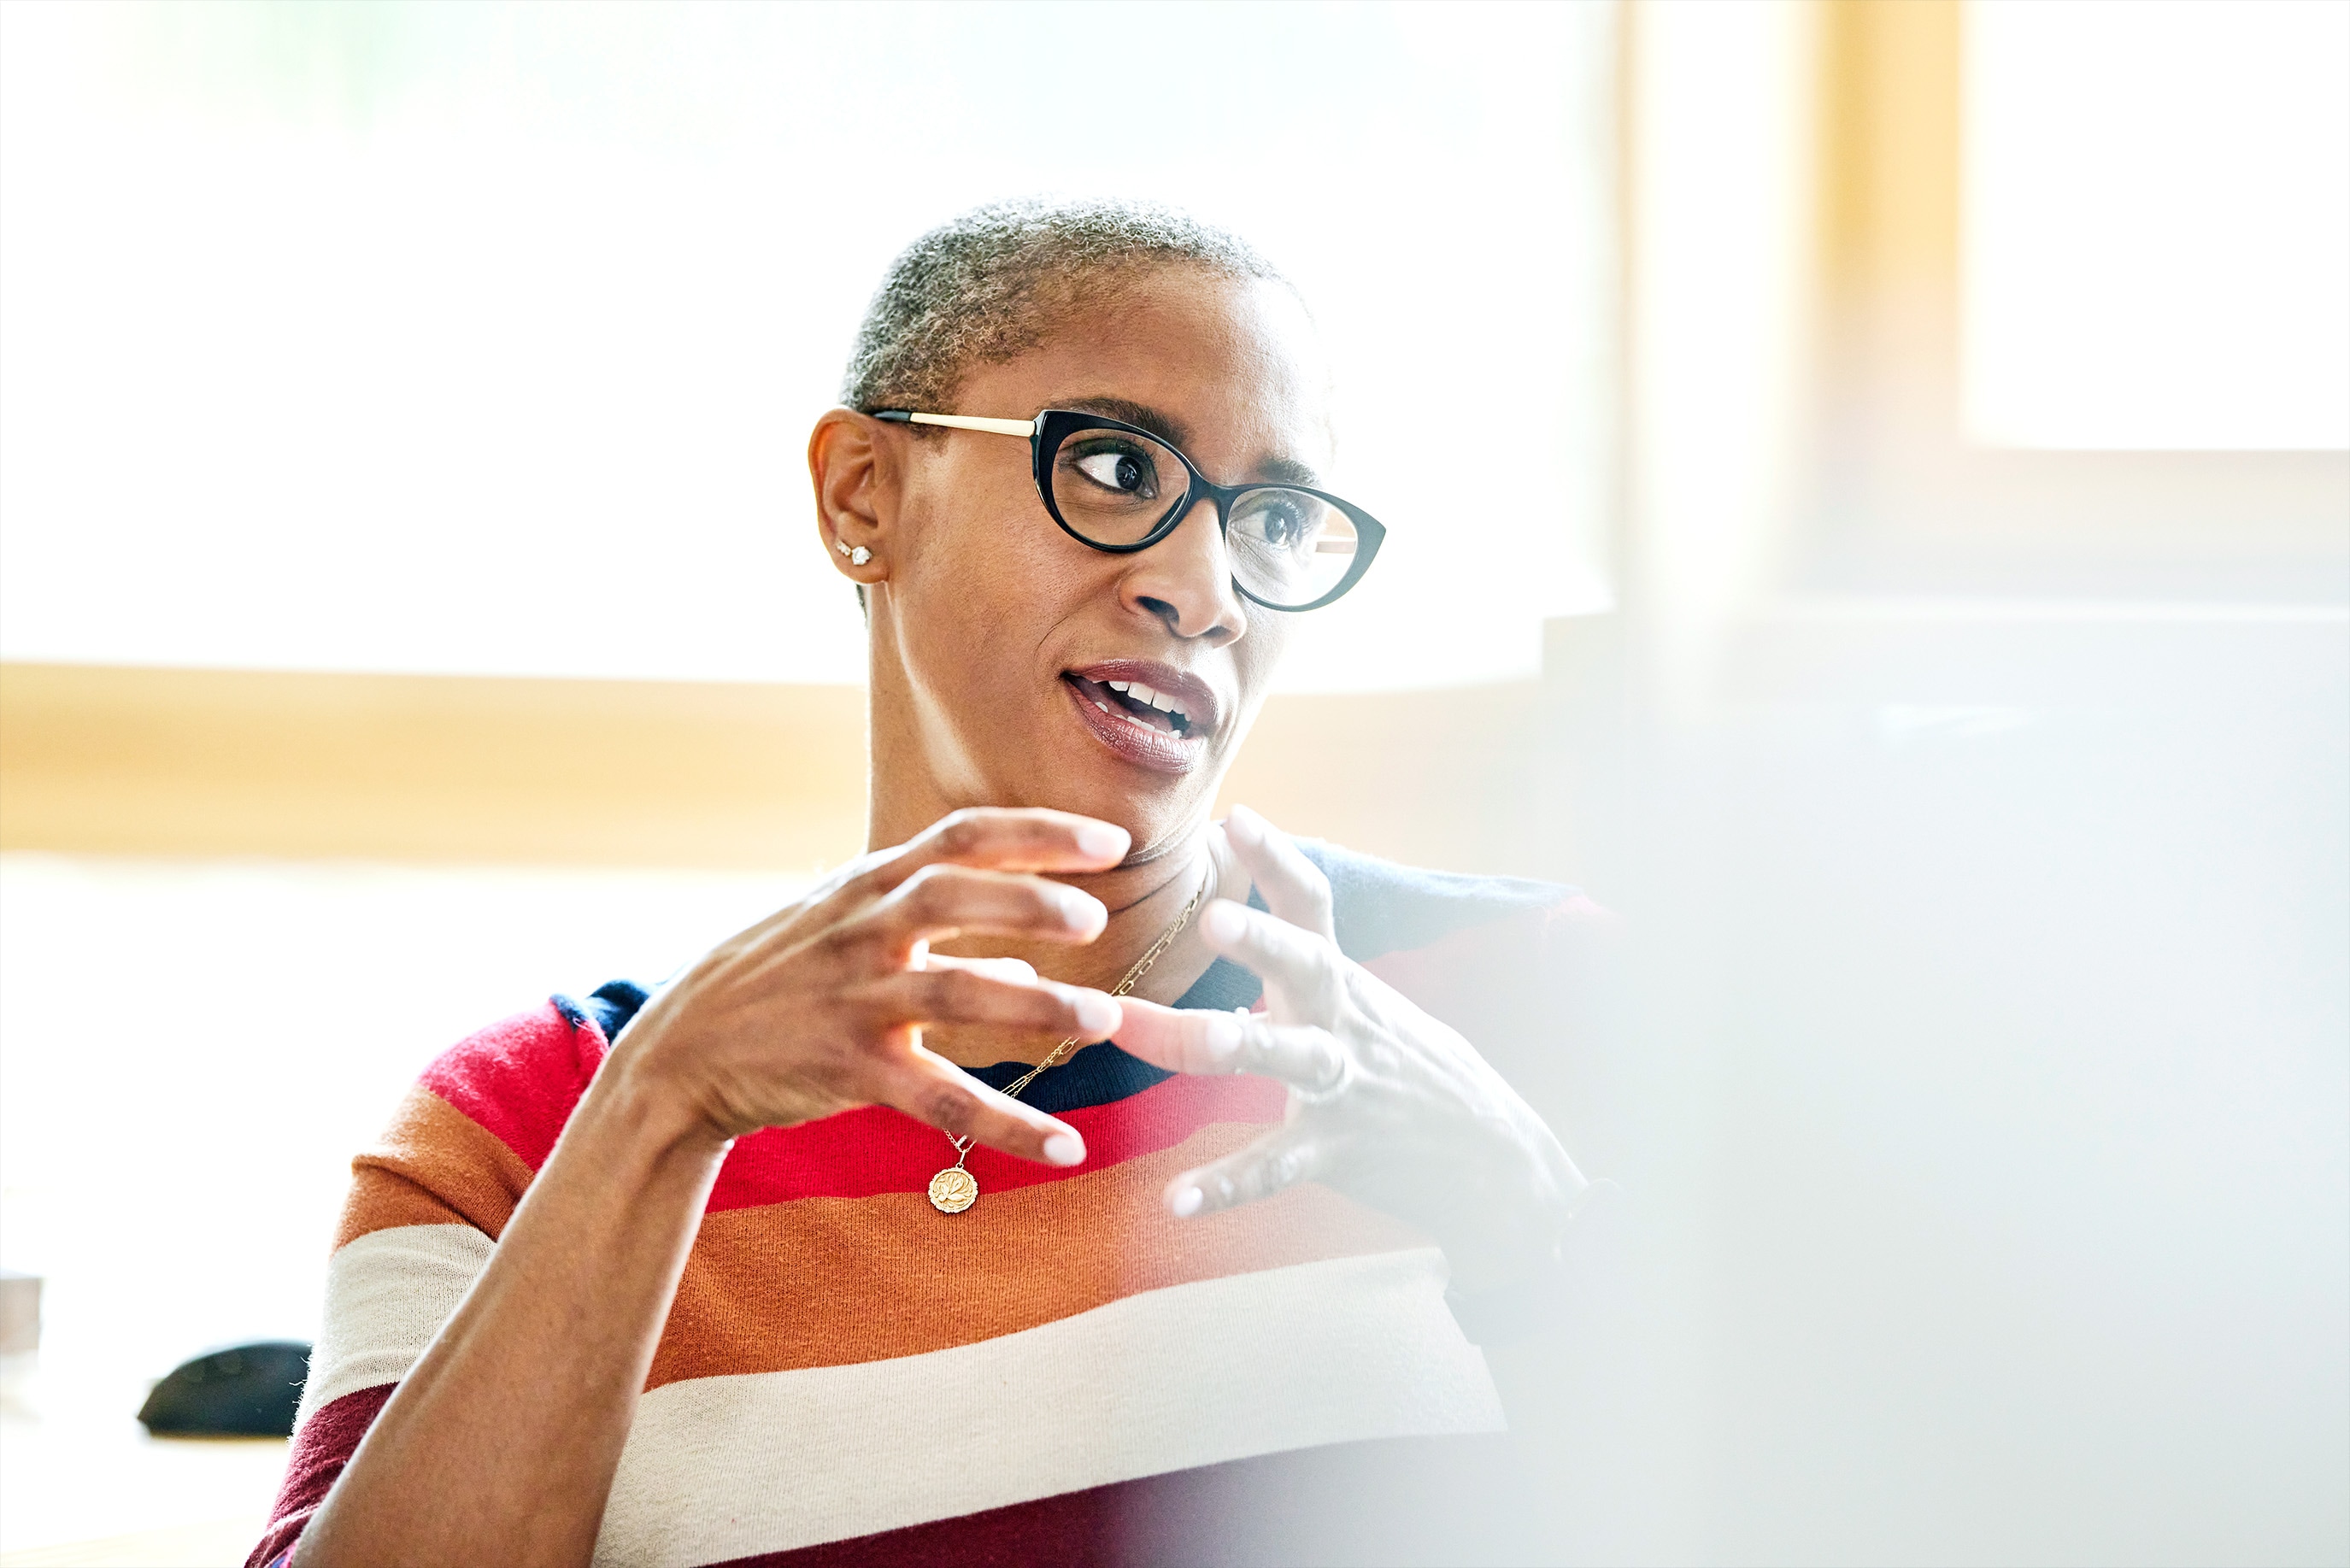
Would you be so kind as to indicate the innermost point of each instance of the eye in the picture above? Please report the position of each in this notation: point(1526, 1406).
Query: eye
point(1280, 521)
point(1121, 469)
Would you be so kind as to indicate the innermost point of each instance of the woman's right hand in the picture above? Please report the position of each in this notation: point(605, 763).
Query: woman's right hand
point(821, 1007)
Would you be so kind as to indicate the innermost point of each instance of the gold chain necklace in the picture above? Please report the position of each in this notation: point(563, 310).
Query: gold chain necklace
point(954, 1189)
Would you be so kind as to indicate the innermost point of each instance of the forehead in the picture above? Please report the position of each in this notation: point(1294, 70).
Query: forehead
point(1233, 365)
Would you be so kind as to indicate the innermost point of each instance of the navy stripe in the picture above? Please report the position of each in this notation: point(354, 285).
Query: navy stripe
point(1102, 1073)
point(1093, 1076)
point(609, 1007)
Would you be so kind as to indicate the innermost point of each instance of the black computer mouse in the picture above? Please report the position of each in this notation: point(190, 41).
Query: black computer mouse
point(243, 1391)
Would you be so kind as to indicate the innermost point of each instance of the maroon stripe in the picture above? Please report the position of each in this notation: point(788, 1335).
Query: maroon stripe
point(321, 1448)
point(1406, 1499)
point(1435, 1499)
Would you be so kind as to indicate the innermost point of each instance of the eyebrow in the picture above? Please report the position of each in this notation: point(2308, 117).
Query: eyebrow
point(1272, 470)
point(1289, 471)
point(1169, 429)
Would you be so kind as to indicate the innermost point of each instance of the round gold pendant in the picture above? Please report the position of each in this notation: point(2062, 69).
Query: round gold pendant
point(953, 1189)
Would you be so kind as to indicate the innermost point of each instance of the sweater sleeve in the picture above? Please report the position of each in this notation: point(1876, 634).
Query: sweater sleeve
point(427, 1205)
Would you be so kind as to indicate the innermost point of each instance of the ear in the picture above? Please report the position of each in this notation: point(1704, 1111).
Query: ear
point(852, 461)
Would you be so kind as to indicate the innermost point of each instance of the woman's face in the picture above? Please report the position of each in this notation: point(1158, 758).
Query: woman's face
point(1001, 644)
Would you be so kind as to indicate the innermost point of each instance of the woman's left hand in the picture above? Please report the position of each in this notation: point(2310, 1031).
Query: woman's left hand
point(1385, 1103)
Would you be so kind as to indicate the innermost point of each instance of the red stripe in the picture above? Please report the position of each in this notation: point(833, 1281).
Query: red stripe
point(519, 1079)
point(863, 1153)
point(321, 1448)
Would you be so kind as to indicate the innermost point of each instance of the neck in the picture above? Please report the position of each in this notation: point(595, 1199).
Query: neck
point(1143, 900)
point(912, 786)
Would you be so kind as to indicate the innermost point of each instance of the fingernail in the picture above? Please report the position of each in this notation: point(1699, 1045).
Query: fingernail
point(1222, 1035)
point(1244, 823)
point(1223, 921)
point(1065, 1148)
point(1103, 842)
point(1097, 1014)
point(1083, 910)
point(1183, 1202)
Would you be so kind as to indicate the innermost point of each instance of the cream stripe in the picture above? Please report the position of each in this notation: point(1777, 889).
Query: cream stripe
point(387, 1294)
point(719, 1467)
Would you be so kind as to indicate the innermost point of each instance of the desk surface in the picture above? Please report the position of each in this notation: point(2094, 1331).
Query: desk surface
point(81, 1482)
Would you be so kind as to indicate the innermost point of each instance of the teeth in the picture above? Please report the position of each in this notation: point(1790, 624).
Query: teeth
point(1137, 691)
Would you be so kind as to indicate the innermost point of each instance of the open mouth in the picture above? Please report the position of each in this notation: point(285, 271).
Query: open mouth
point(1137, 704)
point(1152, 714)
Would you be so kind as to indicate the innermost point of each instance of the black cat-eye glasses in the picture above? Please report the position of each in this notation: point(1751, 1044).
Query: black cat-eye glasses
point(1119, 488)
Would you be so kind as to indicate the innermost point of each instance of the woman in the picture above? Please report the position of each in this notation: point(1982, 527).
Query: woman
point(780, 1265)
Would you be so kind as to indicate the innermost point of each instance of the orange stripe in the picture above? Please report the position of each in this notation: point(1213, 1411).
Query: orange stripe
point(824, 1281)
point(435, 1165)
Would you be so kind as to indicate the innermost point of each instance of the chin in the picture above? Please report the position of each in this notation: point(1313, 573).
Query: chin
point(1157, 809)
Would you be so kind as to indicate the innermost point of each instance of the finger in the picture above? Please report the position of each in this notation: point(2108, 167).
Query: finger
point(1294, 888)
point(960, 996)
point(1179, 1040)
point(1300, 970)
point(1189, 1041)
point(1012, 969)
point(1276, 1161)
point(942, 901)
point(929, 1088)
point(1001, 839)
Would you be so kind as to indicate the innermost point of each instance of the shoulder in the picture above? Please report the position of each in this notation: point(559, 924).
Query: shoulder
point(1381, 907)
point(519, 1078)
point(1525, 969)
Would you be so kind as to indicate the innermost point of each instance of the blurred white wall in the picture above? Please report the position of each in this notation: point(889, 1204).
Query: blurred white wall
point(2155, 231)
point(1989, 1093)
point(399, 337)
point(1992, 1089)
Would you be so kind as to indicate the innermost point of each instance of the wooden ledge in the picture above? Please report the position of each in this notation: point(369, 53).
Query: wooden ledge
point(207, 762)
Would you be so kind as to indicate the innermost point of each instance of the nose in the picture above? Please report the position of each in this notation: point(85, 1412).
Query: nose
point(1185, 581)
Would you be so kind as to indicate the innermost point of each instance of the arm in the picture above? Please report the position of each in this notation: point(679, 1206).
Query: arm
point(502, 1443)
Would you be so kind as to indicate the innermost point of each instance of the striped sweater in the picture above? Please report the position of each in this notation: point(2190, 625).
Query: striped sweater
point(847, 1375)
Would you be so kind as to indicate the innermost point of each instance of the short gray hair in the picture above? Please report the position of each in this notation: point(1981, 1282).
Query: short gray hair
point(982, 288)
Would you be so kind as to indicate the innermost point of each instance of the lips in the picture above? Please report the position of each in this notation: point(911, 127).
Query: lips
point(1149, 713)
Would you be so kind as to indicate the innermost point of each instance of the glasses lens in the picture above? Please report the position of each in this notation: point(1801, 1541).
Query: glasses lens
point(1114, 487)
point(1290, 547)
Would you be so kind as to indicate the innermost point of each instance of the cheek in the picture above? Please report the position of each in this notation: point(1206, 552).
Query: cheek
point(977, 542)
point(1258, 654)
point(961, 530)
point(979, 576)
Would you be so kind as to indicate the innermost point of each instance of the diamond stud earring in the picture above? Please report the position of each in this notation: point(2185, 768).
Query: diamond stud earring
point(857, 556)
